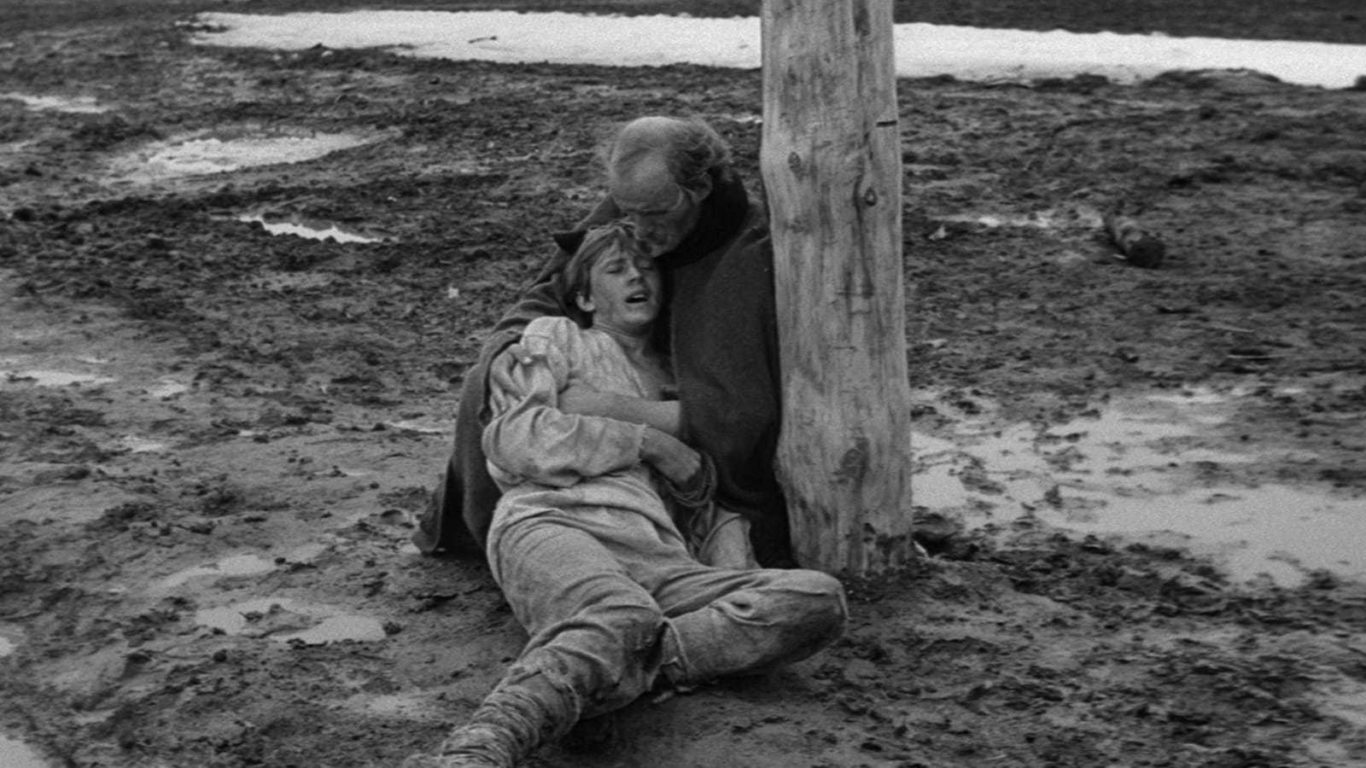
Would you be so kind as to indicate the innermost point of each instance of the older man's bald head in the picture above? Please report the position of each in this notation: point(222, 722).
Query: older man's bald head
point(689, 149)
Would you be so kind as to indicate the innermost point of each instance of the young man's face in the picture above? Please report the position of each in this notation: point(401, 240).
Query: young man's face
point(662, 212)
point(626, 292)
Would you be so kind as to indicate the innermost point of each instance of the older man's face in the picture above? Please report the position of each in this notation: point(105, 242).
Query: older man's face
point(662, 212)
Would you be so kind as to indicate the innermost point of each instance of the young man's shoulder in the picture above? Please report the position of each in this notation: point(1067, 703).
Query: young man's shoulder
point(549, 324)
point(552, 329)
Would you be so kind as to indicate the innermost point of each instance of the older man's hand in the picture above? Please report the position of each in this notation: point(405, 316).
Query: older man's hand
point(583, 400)
point(586, 401)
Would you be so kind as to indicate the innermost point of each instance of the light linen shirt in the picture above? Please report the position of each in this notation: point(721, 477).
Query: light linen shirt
point(586, 470)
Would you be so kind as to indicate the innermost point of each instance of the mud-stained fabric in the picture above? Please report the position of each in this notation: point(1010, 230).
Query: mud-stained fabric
point(612, 609)
point(545, 459)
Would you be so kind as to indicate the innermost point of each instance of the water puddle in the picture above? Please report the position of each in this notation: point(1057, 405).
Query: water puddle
point(16, 754)
point(1348, 705)
point(420, 427)
point(1149, 468)
point(307, 553)
point(81, 105)
point(285, 620)
point(1271, 530)
point(168, 389)
point(405, 706)
point(311, 229)
point(743, 118)
point(1080, 217)
point(200, 155)
point(247, 565)
point(47, 378)
point(236, 565)
point(335, 629)
point(135, 444)
point(71, 502)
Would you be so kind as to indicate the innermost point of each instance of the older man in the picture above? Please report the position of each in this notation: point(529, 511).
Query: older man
point(674, 180)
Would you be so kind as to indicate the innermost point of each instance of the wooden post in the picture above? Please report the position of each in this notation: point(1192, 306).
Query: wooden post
point(831, 163)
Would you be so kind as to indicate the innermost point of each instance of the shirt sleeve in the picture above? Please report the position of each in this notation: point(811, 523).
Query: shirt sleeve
point(529, 439)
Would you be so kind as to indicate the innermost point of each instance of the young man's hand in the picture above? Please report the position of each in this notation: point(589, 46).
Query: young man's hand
point(671, 456)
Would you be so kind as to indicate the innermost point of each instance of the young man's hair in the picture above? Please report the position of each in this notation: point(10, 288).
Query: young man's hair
point(576, 278)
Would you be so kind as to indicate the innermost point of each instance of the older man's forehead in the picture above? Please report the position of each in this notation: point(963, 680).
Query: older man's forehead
point(667, 200)
point(645, 183)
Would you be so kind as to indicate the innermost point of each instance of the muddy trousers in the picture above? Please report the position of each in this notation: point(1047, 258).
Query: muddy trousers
point(611, 613)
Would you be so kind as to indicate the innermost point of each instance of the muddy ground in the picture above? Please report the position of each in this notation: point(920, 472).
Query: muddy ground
point(204, 554)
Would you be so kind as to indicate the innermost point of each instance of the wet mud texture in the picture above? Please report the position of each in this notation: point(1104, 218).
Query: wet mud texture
point(290, 399)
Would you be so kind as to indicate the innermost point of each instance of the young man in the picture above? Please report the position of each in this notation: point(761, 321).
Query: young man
point(673, 179)
point(584, 545)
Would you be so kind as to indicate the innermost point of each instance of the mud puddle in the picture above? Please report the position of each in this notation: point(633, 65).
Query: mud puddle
point(51, 378)
point(310, 229)
point(1157, 467)
point(291, 621)
point(15, 754)
point(246, 564)
point(78, 105)
point(224, 151)
point(1058, 218)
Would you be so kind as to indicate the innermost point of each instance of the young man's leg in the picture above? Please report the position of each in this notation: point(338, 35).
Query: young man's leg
point(724, 623)
point(730, 621)
point(594, 646)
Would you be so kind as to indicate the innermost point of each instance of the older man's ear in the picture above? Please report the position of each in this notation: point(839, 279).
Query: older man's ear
point(703, 189)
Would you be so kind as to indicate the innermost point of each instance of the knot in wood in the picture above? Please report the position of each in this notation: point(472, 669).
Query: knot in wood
point(870, 197)
point(854, 463)
point(794, 162)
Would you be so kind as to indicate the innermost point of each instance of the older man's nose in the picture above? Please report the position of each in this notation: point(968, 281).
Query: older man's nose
point(644, 237)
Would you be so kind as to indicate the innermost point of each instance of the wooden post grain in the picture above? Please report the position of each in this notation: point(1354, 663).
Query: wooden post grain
point(831, 165)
